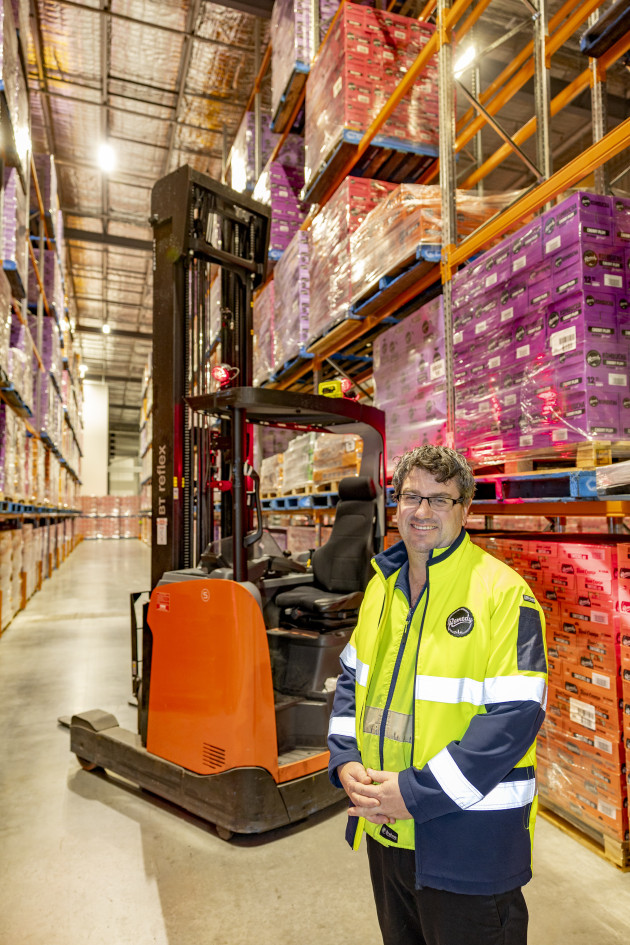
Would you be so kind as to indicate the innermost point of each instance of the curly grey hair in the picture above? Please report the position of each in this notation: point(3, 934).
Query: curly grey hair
point(442, 462)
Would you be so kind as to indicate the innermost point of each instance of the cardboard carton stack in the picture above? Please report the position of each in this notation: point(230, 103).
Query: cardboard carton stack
point(263, 322)
point(547, 312)
point(279, 186)
point(582, 588)
point(410, 380)
point(330, 272)
point(335, 457)
point(363, 60)
point(292, 300)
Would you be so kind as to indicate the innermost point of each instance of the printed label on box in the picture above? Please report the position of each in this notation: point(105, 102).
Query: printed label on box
point(582, 713)
point(599, 616)
point(437, 369)
point(337, 87)
point(507, 314)
point(603, 744)
point(519, 263)
point(565, 340)
point(618, 380)
point(603, 681)
point(553, 244)
point(615, 281)
point(606, 809)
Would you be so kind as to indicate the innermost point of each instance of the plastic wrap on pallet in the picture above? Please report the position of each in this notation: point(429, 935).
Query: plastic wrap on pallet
point(51, 279)
point(547, 312)
point(298, 462)
point(408, 217)
point(47, 181)
point(9, 56)
point(409, 380)
point(273, 439)
point(5, 318)
point(19, 363)
point(14, 249)
point(243, 163)
point(365, 56)
point(271, 473)
point(279, 187)
point(583, 589)
point(613, 479)
point(330, 289)
point(292, 300)
point(263, 320)
point(290, 43)
point(336, 456)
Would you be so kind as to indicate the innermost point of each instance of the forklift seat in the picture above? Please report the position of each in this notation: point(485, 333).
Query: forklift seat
point(341, 567)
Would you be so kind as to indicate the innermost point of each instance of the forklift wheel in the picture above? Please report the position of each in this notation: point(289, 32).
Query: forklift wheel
point(87, 765)
point(223, 833)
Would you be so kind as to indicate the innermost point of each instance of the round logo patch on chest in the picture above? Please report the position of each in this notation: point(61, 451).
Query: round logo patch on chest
point(460, 622)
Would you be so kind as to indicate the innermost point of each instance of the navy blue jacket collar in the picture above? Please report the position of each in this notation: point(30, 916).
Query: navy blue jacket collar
point(392, 559)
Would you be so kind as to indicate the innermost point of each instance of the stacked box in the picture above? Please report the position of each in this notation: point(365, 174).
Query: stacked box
point(52, 282)
point(29, 559)
point(409, 380)
point(581, 587)
point(336, 456)
point(5, 319)
point(13, 246)
point(271, 474)
point(8, 427)
point(279, 187)
point(16, 570)
point(365, 57)
point(331, 253)
point(243, 163)
point(50, 349)
point(9, 56)
point(19, 363)
point(6, 585)
point(410, 216)
point(298, 463)
point(263, 320)
point(548, 312)
point(292, 300)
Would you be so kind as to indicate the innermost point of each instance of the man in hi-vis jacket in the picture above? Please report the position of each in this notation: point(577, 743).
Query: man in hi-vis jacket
point(433, 729)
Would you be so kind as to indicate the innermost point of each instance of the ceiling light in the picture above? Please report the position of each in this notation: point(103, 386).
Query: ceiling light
point(106, 158)
point(82, 370)
point(465, 60)
point(106, 329)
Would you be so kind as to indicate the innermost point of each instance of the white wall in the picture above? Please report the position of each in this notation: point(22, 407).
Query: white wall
point(124, 476)
point(95, 438)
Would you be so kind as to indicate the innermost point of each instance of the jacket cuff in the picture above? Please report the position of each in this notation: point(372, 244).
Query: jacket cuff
point(341, 758)
point(423, 795)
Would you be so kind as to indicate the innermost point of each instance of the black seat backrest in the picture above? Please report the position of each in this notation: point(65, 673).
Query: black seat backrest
point(342, 565)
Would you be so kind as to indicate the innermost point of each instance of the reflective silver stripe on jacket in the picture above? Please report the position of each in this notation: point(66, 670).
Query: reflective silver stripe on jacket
point(398, 728)
point(506, 795)
point(345, 725)
point(350, 659)
point(480, 692)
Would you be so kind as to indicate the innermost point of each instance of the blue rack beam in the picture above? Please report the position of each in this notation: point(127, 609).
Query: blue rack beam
point(402, 276)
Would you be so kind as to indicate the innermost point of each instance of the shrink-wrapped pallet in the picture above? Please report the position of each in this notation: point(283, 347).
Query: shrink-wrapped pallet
point(336, 456)
point(409, 380)
point(279, 187)
point(410, 216)
point(292, 300)
point(263, 320)
point(330, 269)
point(365, 56)
point(298, 463)
point(541, 339)
point(13, 246)
point(271, 474)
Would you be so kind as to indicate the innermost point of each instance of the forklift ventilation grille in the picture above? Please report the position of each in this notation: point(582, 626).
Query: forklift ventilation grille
point(213, 757)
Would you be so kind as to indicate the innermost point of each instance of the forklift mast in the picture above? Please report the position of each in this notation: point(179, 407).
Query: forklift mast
point(197, 223)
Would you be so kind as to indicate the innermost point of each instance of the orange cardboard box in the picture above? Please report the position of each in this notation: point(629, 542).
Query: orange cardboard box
point(592, 682)
point(600, 583)
point(596, 557)
point(550, 608)
point(558, 579)
point(584, 746)
point(554, 592)
point(587, 617)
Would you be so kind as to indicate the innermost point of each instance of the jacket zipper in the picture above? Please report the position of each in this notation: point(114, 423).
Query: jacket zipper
point(392, 685)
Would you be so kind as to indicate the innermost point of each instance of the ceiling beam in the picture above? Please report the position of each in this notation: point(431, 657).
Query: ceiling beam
point(261, 8)
point(109, 239)
point(135, 407)
point(120, 332)
point(111, 378)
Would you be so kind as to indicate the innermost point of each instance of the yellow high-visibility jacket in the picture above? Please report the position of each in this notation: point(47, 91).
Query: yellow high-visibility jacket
point(477, 702)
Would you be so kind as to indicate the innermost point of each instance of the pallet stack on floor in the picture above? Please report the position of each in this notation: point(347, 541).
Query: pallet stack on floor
point(109, 516)
point(583, 586)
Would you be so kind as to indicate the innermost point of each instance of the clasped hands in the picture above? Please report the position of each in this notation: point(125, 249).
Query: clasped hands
point(375, 795)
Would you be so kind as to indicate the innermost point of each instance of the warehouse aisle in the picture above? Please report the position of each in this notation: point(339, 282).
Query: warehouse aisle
point(85, 860)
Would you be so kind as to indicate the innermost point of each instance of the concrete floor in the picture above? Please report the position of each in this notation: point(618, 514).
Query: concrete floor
point(85, 860)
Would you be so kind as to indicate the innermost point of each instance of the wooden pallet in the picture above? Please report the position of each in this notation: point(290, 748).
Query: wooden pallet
point(568, 456)
point(615, 851)
point(326, 485)
point(269, 494)
point(305, 489)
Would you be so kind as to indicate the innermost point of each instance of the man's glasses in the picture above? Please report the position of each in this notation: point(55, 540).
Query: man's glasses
point(440, 503)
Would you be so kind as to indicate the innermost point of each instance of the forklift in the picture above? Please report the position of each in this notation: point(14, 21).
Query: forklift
point(235, 663)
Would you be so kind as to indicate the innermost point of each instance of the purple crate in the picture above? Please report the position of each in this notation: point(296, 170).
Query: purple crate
point(586, 267)
point(601, 365)
point(590, 315)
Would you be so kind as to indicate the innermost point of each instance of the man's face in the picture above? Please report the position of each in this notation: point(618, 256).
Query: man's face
point(424, 528)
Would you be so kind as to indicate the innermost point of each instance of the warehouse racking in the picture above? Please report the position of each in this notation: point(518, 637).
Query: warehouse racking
point(40, 388)
point(511, 486)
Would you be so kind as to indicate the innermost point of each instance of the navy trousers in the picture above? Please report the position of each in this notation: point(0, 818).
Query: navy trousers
point(410, 916)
